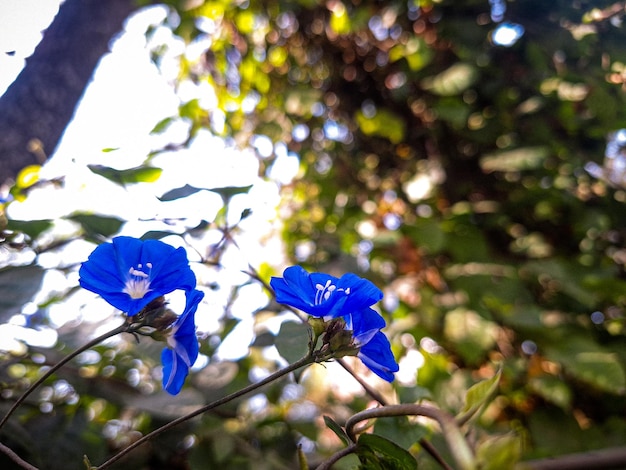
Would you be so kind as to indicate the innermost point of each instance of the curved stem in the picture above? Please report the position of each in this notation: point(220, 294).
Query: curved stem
point(326, 465)
point(454, 438)
point(120, 329)
point(426, 445)
point(276, 375)
point(16, 458)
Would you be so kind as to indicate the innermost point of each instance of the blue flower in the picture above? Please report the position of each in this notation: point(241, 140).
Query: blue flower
point(350, 298)
point(129, 273)
point(182, 350)
point(322, 295)
point(375, 349)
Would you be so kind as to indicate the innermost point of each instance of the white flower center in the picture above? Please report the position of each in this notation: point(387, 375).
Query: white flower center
point(138, 282)
point(325, 291)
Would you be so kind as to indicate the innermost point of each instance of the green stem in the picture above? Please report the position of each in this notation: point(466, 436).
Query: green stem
point(457, 444)
point(305, 361)
point(120, 329)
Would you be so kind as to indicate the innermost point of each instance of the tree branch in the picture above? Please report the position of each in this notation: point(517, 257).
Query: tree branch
point(38, 105)
point(611, 458)
point(275, 376)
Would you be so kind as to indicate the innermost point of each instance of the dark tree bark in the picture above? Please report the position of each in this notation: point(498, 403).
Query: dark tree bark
point(36, 108)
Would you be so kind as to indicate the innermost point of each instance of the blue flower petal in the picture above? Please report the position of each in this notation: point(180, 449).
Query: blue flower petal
point(363, 293)
point(99, 273)
point(377, 356)
point(110, 267)
point(172, 268)
point(174, 371)
point(184, 346)
point(295, 288)
point(322, 295)
point(365, 324)
point(350, 297)
point(185, 328)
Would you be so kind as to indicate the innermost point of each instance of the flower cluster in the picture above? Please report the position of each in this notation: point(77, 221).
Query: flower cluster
point(348, 298)
point(132, 275)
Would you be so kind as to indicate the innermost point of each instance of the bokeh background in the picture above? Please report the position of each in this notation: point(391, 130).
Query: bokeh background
point(466, 156)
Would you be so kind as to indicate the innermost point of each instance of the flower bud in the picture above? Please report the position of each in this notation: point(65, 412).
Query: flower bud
point(318, 325)
point(339, 341)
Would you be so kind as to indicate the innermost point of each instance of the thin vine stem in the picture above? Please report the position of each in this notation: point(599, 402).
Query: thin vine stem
point(327, 464)
point(16, 458)
point(455, 440)
point(120, 329)
point(305, 361)
point(426, 445)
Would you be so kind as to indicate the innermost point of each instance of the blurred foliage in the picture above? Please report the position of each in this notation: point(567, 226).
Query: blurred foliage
point(479, 184)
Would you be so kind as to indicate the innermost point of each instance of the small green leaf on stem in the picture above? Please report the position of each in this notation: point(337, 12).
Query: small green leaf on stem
point(478, 396)
point(378, 452)
point(338, 430)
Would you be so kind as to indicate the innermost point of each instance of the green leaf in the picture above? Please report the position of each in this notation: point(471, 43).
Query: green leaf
point(338, 430)
point(32, 228)
point(292, 341)
point(18, 285)
point(600, 369)
point(589, 363)
point(157, 234)
point(378, 452)
point(228, 326)
point(231, 191)
point(399, 430)
point(383, 124)
point(140, 174)
point(97, 225)
point(188, 190)
point(471, 334)
point(263, 340)
point(499, 452)
point(571, 278)
point(191, 110)
point(552, 389)
point(478, 395)
point(413, 394)
point(162, 125)
point(428, 235)
point(179, 193)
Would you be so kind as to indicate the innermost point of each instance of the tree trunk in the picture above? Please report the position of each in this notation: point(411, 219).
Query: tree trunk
point(36, 108)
